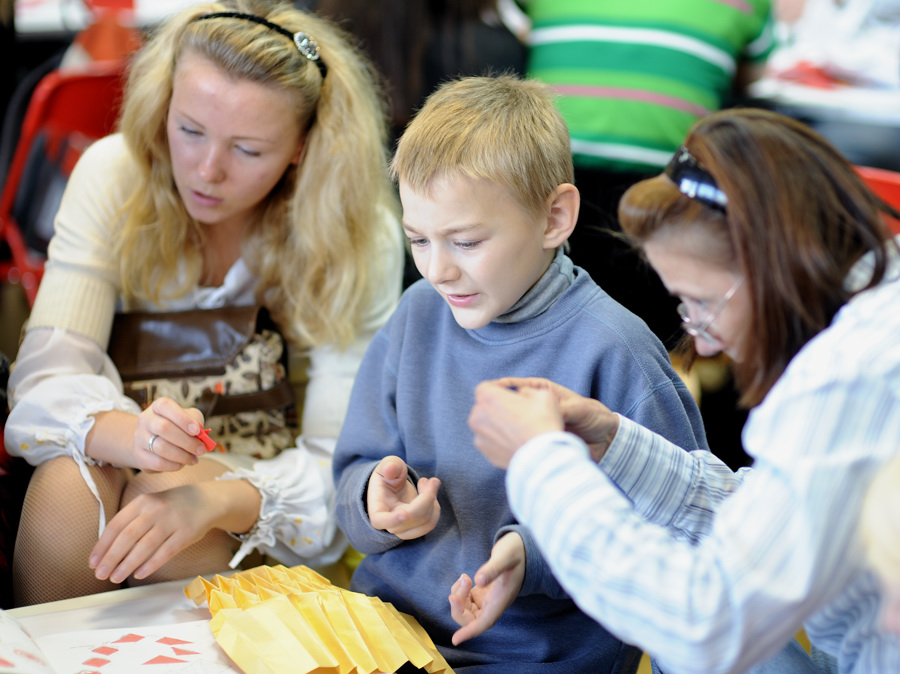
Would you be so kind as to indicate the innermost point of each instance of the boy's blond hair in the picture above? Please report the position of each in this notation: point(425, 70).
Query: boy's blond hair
point(503, 129)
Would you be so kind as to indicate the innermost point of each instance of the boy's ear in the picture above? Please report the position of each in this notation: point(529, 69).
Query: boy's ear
point(565, 201)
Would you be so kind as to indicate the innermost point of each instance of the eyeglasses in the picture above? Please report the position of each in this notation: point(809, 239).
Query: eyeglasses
point(700, 329)
point(694, 181)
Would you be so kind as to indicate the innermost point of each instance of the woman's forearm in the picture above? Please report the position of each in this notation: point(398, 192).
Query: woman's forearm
point(111, 440)
point(234, 504)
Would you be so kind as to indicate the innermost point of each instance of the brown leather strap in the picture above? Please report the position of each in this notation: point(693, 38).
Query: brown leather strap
point(276, 398)
point(211, 403)
point(179, 344)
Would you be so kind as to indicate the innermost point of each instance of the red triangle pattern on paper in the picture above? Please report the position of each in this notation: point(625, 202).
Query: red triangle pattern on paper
point(171, 641)
point(6, 663)
point(163, 660)
point(96, 662)
point(29, 656)
point(106, 650)
point(182, 651)
point(128, 638)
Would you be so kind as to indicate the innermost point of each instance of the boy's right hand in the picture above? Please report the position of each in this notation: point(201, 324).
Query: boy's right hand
point(395, 506)
point(476, 607)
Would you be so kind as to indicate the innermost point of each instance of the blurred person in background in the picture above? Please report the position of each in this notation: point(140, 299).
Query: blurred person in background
point(632, 78)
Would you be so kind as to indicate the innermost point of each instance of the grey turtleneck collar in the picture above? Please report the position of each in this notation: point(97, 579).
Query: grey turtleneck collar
point(555, 281)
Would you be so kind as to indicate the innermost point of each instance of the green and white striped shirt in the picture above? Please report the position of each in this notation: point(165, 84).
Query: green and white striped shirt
point(633, 76)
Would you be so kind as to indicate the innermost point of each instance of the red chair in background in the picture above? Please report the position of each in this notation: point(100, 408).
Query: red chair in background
point(68, 110)
point(886, 184)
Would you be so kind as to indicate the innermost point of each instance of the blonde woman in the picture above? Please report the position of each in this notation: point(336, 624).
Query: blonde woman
point(249, 168)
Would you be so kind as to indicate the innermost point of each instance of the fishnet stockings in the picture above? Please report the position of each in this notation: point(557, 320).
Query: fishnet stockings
point(58, 529)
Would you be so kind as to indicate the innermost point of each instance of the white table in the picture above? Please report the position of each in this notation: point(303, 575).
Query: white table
point(122, 629)
point(159, 604)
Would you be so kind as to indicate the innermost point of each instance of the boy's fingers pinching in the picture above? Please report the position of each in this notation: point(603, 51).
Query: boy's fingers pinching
point(461, 601)
point(393, 472)
point(418, 517)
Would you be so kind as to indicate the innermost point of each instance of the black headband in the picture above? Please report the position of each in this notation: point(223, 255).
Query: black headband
point(304, 42)
point(694, 181)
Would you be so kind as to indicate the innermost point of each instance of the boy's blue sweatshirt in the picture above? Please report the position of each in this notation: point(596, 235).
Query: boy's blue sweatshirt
point(412, 398)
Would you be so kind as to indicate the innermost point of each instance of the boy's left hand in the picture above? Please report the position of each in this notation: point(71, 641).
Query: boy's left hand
point(497, 584)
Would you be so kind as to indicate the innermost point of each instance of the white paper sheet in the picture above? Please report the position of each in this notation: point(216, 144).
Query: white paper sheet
point(183, 648)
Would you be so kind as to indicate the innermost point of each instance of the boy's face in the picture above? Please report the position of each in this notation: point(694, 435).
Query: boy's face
point(476, 245)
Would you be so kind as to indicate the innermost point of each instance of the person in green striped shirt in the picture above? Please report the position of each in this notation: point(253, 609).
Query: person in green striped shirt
point(631, 78)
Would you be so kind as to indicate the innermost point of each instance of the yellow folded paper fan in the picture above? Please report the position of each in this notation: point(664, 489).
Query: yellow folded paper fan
point(275, 620)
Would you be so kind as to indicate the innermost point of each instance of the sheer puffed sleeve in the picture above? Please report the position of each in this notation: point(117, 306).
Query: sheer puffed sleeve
point(297, 521)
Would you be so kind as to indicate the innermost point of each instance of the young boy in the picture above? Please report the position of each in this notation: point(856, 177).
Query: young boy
point(485, 177)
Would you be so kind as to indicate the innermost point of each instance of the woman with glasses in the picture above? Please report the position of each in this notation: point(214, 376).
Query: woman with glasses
point(782, 259)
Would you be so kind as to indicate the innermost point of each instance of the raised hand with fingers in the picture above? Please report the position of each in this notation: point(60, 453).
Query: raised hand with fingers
point(497, 583)
point(396, 506)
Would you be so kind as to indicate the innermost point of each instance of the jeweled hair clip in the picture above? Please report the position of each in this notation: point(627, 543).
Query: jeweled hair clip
point(306, 44)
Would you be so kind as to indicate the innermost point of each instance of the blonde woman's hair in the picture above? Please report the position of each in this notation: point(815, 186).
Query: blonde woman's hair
point(502, 129)
point(880, 521)
point(315, 245)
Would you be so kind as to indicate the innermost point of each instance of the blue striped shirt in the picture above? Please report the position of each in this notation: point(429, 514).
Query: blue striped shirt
point(709, 570)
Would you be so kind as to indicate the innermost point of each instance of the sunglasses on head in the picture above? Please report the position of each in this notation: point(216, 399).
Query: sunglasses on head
point(694, 181)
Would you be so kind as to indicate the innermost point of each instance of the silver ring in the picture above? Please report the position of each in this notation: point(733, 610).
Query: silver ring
point(150, 444)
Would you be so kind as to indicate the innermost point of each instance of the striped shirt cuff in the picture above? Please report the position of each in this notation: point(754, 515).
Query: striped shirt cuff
point(655, 474)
